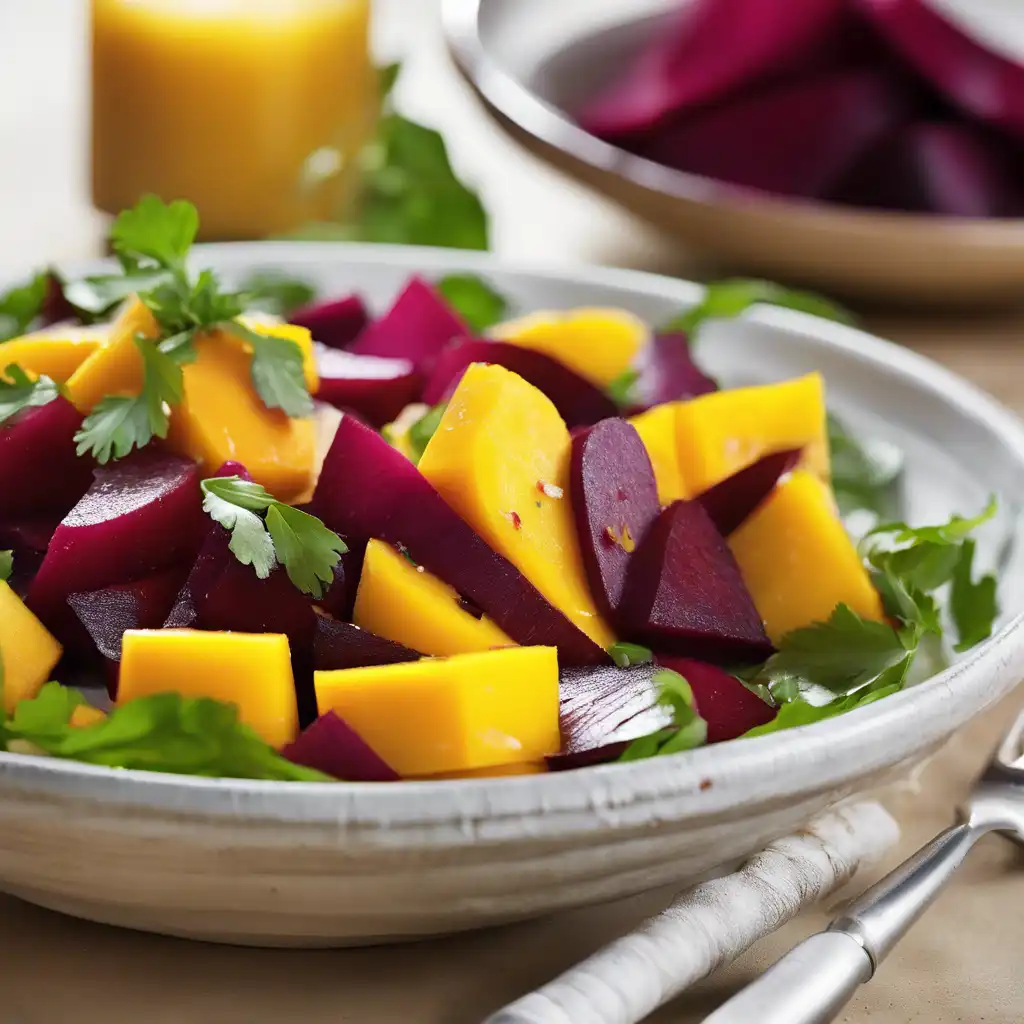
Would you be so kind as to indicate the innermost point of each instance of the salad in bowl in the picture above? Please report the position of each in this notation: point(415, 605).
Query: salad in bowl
point(299, 542)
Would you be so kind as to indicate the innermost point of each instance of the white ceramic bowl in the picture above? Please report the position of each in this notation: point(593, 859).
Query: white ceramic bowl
point(533, 60)
point(304, 864)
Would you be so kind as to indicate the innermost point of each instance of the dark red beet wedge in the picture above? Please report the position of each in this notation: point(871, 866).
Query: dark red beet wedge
point(340, 598)
point(338, 645)
point(668, 373)
point(735, 498)
point(615, 500)
point(684, 594)
point(602, 710)
point(377, 389)
point(416, 328)
point(368, 489)
point(729, 708)
point(331, 746)
point(578, 402)
point(38, 465)
point(28, 539)
point(336, 323)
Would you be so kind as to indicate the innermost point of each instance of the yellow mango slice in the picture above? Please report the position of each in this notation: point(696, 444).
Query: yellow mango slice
point(54, 352)
point(454, 714)
point(27, 650)
point(116, 367)
point(723, 432)
point(598, 344)
point(657, 430)
point(405, 603)
point(798, 561)
point(500, 458)
point(290, 332)
point(222, 418)
point(250, 670)
point(85, 715)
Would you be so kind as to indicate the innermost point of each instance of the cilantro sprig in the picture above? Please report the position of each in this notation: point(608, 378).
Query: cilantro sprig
point(423, 430)
point(18, 391)
point(626, 655)
point(479, 305)
point(21, 305)
point(688, 729)
point(865, 474)
point(265, 532)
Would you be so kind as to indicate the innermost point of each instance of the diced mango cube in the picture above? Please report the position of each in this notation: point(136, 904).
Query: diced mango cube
point(452, 714)
point(222, 419)
point(500, 458)
point(85, 715)
point(405, 603)
point(657, 430)
point(250, 670)
point(723, 432)
point(598, 344)
point(54, 352)
point(798, 561)
point(27, 650)
point(302, 337)
point(115, 368)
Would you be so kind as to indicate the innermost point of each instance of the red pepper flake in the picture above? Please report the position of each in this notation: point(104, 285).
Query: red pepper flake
point(515, 520)
point(705, 784)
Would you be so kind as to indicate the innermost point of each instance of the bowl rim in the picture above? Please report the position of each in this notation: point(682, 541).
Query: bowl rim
point(514, 101)
point(746, 771)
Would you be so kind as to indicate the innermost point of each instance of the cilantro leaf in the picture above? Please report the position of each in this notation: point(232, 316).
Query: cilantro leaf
point(155, 231)
point(620, 389)
point(307, 549)
point(48, 712)
point(94, 297)
point(387, 76)
point(800, 712)
point(626, 654)
point(953, 532)
point(18, 391)
point(277, 371)
point(479, 305)
point(6, 565)
point(423, 430)
point(21, 305)
point(233, 502)
point(724, 300)
point(865, 474)
point(688, 730)
point(972, 603)
point(275, 293)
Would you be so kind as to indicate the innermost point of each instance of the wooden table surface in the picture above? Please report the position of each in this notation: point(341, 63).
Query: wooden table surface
point(961, 964)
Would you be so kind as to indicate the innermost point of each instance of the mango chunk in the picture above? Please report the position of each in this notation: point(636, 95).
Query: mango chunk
point(723, 432)
point(85, 715)
point(598, 344)
point(798, 561)
point(403, 602)
point(222, 419)
point(500, 458)
point(657, 430)
point(115, 368)
point(302, 337)
point(27, 650)
point(54, 352)
point(250, 670)
point(451, 715)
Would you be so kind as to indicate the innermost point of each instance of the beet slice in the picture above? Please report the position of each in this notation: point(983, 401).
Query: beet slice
point(338, 645)
point(335, 323)
point(684, 593)
point(615, 500)
point(368, 489)
point(710, 48)
point(735, 498)
point(729, 708)
point(667, 373)
point(38, 465)
point(28, 539)
point(378, 389)
point(601, 711)
point(578, 401)
point(416, 328)
point(56, 308)
point(331, 746)
point(340, 598)
point(761, 140)
point(142, 514)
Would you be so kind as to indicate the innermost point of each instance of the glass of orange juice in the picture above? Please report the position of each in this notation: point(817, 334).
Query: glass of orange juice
point(226, 102)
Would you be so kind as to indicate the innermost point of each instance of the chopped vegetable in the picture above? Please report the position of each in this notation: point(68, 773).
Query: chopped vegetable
point(688, 729)
point(28, 651)
point(667, 373)
point(335, 323)
point(18, 391)
point(733, 500)
point(20, 305)
point(334, 748)
point(339, 645)
point(476, 302)
point(626, 655)
point(54, 352)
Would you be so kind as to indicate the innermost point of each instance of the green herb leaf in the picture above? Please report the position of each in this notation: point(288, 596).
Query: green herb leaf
point(423, 430)
point(724, 300)
point(270, 292)
point(953, 532)
point(799, 712)
point(277, 371)
point(233, 502)
point(688, 730)
point(21, 305)
point(972, 603)
point(6, 565)
point(155, 231)
point(479, 305)
point(621, 388)
point(48, 712)
point(18, 391)
point(95, 297)
point(865, 475)
point(626, 654)
point(306, 548)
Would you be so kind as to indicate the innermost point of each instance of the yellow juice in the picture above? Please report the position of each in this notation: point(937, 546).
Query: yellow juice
point(223, 102)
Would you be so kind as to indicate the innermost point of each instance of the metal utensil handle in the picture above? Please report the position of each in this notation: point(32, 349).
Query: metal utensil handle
point(815, 980)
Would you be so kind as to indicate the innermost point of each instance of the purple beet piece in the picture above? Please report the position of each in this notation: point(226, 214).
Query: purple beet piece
point(331, 746)
point(28, 539)
point(729, 708)
point(668, 373)
point(763, 140)
point(416, 328)
point(142, 514)
point(378, 389)
point(335, 323)
point(234, 469)
point(38, 465)
point(684, 593)
point(338, 645)
point(368, 489)
point(341, 596)
point(615, 500)
point(577, 400)
point(56, 309)
point(602, 710)
point(711, 48)
point(730, 502)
